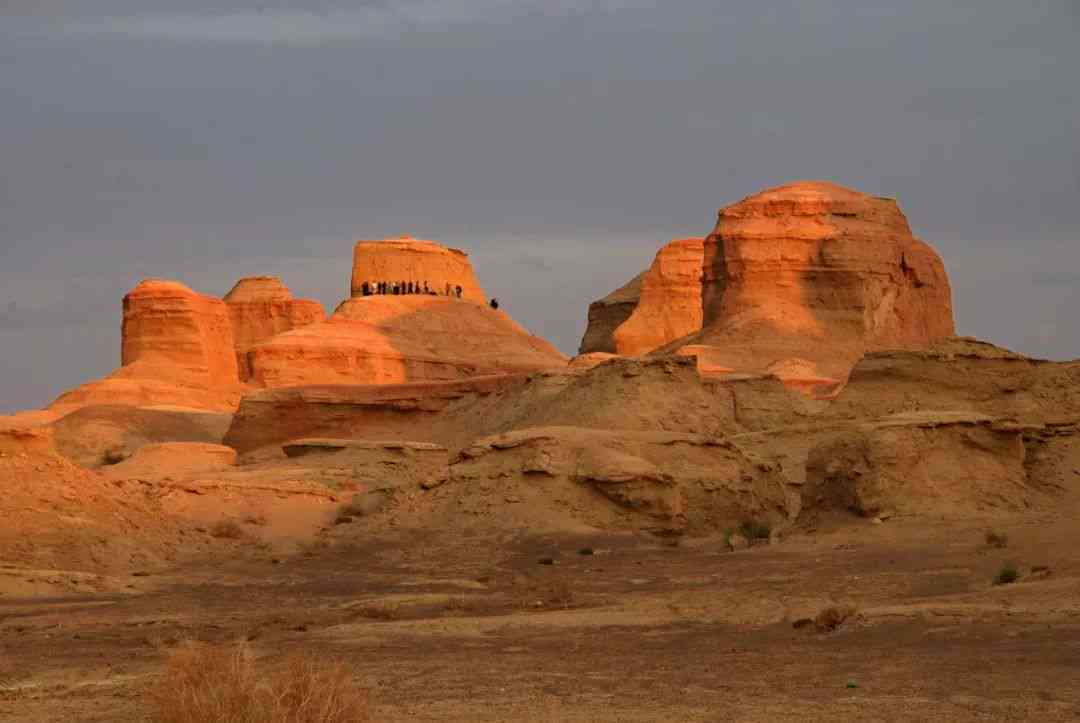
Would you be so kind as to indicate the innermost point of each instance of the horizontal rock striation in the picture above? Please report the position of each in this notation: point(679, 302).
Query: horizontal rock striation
point(408, 260)
point(261, 307)
point(399, 339)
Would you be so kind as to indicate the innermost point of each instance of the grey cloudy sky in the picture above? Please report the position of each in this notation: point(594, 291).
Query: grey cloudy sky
point(560, 142)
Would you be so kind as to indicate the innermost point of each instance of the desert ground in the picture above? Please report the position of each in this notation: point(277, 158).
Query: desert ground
point(477, 627)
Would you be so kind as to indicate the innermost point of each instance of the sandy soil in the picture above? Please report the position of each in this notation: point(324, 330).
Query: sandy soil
point(479, 628)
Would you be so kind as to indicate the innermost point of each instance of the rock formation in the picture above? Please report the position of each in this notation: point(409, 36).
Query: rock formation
point(607, 314)
point(802, 278)
point(261, 307)
point(669, 307)
point(177, 350)
point(398, 339)
point(174, 334)
point(414, 261)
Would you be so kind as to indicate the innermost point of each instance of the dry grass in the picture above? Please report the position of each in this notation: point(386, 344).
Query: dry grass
point(220, 684)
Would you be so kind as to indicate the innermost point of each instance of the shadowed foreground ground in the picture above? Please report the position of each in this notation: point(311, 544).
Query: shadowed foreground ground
point(644, 629)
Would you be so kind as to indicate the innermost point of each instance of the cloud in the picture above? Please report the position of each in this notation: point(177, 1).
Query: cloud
point(315, 28)
point(1056, 278)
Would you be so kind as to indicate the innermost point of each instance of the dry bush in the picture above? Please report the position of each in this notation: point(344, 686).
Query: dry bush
point(833, 617)
point(1007, 575)
point(997, 539)
point(220, 684)
point(227, 530)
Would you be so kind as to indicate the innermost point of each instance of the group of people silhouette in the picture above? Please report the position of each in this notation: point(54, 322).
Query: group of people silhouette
point(397, 288)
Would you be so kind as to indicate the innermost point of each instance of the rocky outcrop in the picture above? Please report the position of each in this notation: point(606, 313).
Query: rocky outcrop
point(607, 314)
point(271, 417)
point(425, 264)
point(962, 374)
point(937, 464)
point(670, 304)
point(669, 481)
point(261, 307)
point(797, 281)
point(177, 350)
point(818, 272)
point(399, 339)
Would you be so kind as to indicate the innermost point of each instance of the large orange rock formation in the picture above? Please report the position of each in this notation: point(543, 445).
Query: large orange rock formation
point(414, 261)
point(669, 306)
point(261, 307)
point(177, 350)
point(803, 278)
point(607, 314)
point(398, 339)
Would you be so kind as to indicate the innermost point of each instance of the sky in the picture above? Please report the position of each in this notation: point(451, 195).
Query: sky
point(560, 143)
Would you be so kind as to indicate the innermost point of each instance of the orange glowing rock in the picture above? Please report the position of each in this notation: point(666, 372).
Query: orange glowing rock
point(425, 264)
point(261, 307)
point(177, 350)
point(808, 275)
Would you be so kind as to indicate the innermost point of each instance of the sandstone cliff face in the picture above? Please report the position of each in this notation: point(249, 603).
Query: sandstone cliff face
point(177, 350)
point(607, 314)
point(798, 280)
point(412, 260)
point(398, 339)
point(261, 307)
point(670, 304)
point(174, 334)
point(822, 265)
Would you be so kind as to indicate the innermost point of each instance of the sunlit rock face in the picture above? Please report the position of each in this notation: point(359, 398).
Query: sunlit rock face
point(177, 349)
point(669, 307)
point(182, 335)
point(608, 314)
point(426, 265)
point(261, 307)
point(819, 260)
point(388, 338)
point(797, 281)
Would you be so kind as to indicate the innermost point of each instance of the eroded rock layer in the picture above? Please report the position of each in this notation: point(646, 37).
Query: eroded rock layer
point(669, 307)
point(607, 314)
point(818, 272)
point(426, 265)
point(177, 350)
point(398, 339)
point(261, 307)
point(797, 281)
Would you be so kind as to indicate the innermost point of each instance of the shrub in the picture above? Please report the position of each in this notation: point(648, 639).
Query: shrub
point(997, 539)
point(113, 455)
point(210, 684)
point(1007, 575)
point(833, 617)
point(754, 530)
point(227, 530)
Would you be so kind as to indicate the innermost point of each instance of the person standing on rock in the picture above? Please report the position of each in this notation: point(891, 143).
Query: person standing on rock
point(494, 303)
point(457, 289)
